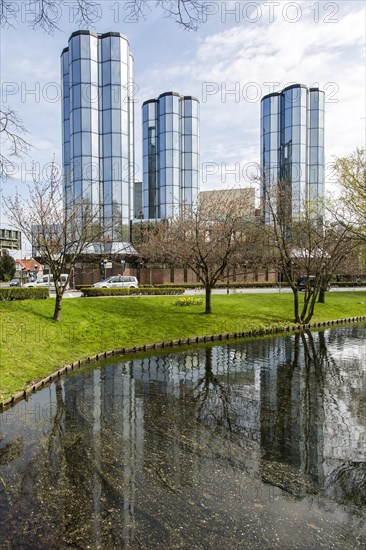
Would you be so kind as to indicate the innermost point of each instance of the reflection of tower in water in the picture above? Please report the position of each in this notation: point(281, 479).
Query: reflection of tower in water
point(101, 470)
point(292, 412)
point(202, 400)
point(102, 460)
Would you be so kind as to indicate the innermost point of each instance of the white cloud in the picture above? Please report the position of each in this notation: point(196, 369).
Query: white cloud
point(247, 58)
point(236, 53)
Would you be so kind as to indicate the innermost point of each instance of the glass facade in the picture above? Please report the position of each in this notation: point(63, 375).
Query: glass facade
point(97, 126)
point(170, 154)
point(137, 200)
point(292, 143)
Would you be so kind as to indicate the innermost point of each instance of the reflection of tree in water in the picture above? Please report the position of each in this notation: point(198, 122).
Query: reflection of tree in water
point(209, 392)
point(226, 408)
point(65, 494)
point(347, 483)
point(345, 406)
point(290, 399)
point(298, 396)
point(97, 477)
point(13, 450)
point(33, 489)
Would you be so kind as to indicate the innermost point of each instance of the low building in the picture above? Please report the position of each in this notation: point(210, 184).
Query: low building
point(28, 270)
point(244, 196)
point(10, 239)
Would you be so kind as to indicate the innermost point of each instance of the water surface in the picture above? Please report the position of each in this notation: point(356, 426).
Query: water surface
point(259, 444)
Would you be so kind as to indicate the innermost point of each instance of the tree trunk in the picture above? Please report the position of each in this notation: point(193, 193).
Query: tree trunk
point(296, 306)
point(208, 299)
point(321, 298)
point(308, 306)
point(58, 307)
point(311, 307)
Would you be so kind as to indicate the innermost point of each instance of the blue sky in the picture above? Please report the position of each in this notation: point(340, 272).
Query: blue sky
point(250, 48)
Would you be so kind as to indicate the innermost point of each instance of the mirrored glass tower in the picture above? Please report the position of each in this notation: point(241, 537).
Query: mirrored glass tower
point(292, 144)
point(98, 126)
point(170, 154)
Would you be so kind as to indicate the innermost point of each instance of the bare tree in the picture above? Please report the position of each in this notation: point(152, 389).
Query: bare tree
point(205, 238)
point(46, 14)
point(59, 231)
point(13, 144)
point(307, 244)
point(189, 14)
point(351, 174)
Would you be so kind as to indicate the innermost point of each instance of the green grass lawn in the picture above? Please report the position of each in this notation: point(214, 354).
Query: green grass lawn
point(32, 345)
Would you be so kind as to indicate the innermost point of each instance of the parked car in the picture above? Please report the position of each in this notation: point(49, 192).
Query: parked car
point(46, 280)
point(118, 281)
point(305, 281)
point(14, 282)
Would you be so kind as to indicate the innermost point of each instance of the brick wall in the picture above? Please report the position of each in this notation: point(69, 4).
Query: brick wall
point(87, 274)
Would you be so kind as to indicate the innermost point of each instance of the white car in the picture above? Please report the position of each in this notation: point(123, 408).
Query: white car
point(46, 280)
point(118, 281)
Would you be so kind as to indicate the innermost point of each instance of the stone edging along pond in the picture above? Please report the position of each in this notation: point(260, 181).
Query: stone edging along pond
point(170, 344)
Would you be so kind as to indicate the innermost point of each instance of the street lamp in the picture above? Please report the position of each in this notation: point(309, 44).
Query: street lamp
point(103, 268)
point(140, 265)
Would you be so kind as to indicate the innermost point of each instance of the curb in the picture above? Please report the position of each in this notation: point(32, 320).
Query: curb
point(170, 344)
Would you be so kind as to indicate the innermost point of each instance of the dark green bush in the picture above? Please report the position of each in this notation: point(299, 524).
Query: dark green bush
point(341, 284)
point(128, 291)
point(179, 285)
point(251, 284)
point(81, 287)
point(21, 293)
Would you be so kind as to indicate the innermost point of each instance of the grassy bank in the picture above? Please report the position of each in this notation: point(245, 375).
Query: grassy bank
point(32, 345)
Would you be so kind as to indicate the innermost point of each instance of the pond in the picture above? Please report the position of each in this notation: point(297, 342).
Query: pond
point(258, 444)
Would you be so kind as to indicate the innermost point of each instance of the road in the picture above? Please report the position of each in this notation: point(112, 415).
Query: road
point(195, 292)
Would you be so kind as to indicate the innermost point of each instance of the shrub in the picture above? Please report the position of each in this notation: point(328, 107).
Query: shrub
point(352, 284)
point(251, 284)
point(128, 291)
point(21, 293)
point(81, 287)
point(189, 301)
point(180, 285)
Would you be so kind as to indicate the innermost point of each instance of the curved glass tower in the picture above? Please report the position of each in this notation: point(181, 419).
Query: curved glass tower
point(292, 144)
point(97, 126)
point(170, 154)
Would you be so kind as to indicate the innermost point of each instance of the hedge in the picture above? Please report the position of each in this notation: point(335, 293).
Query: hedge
point(189, 301)
point(128, 291)
point(341, 284)
point(81, 287)
point(252, 284)
point(21, 293)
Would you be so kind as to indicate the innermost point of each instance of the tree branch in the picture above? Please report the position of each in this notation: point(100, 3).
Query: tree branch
point(12, 141)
